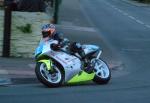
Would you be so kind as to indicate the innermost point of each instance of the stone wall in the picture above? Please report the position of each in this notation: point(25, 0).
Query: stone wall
point(24, 44)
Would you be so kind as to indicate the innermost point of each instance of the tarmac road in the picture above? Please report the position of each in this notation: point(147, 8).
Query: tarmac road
point(126, 27)
point(119, 34)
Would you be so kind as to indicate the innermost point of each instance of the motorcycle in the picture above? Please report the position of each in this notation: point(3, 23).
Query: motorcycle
point(58, 67)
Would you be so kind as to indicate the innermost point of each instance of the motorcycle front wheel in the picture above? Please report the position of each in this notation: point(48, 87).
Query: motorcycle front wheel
point(50, 79)
point(102, 71)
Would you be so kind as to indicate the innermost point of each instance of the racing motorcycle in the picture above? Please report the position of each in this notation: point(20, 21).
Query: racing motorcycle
point(58, 67)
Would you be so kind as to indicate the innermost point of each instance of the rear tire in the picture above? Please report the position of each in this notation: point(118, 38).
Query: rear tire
point(48, 79)
point(102, 72)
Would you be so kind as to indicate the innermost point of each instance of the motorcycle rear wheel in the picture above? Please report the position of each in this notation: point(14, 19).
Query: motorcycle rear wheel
point(49, 79)
point(102, 72)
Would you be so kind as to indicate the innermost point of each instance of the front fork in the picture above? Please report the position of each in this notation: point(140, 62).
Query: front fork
point(49, 64)
point(90, 67)
point(99, 54)
point(94, 60)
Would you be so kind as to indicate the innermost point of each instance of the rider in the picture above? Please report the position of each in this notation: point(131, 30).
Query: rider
point(49, 33)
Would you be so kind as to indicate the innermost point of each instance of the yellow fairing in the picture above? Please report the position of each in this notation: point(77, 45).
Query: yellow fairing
point(48, 63)
point(83, 76)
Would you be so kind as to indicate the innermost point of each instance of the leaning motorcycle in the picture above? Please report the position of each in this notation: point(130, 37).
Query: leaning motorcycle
point(58, 67)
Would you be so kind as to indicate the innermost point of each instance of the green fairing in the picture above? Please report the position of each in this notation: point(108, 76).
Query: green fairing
point(48, 63)
point(83, 76)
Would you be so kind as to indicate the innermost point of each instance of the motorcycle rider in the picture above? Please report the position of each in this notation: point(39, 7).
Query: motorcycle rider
point(49, 33)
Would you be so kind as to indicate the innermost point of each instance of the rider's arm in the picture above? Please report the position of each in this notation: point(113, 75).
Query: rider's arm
point(59, 37)
point(55, 46)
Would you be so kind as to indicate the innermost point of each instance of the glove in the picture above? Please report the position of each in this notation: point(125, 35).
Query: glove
point(55, 46)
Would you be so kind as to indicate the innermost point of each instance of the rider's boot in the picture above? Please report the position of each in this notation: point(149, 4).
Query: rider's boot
point(89, 69)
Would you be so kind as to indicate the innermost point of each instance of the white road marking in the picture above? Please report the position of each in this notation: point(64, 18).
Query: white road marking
point(132, 17)
point(120, 11)
point(126, 14)
point(148, 26)
point(139, 21)
point(90, 29)
point(132, 50)
point(138, 39)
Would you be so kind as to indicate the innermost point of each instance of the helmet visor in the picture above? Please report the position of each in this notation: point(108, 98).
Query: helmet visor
point(45, 34)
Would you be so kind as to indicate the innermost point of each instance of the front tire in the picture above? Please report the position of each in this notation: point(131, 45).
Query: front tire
point(102, 71)
point(49, 79)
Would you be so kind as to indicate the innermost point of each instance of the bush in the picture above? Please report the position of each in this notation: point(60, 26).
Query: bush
point(25, 29)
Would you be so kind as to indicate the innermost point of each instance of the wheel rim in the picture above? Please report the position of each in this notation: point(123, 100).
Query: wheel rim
point(101, 69)
point(50, 77)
